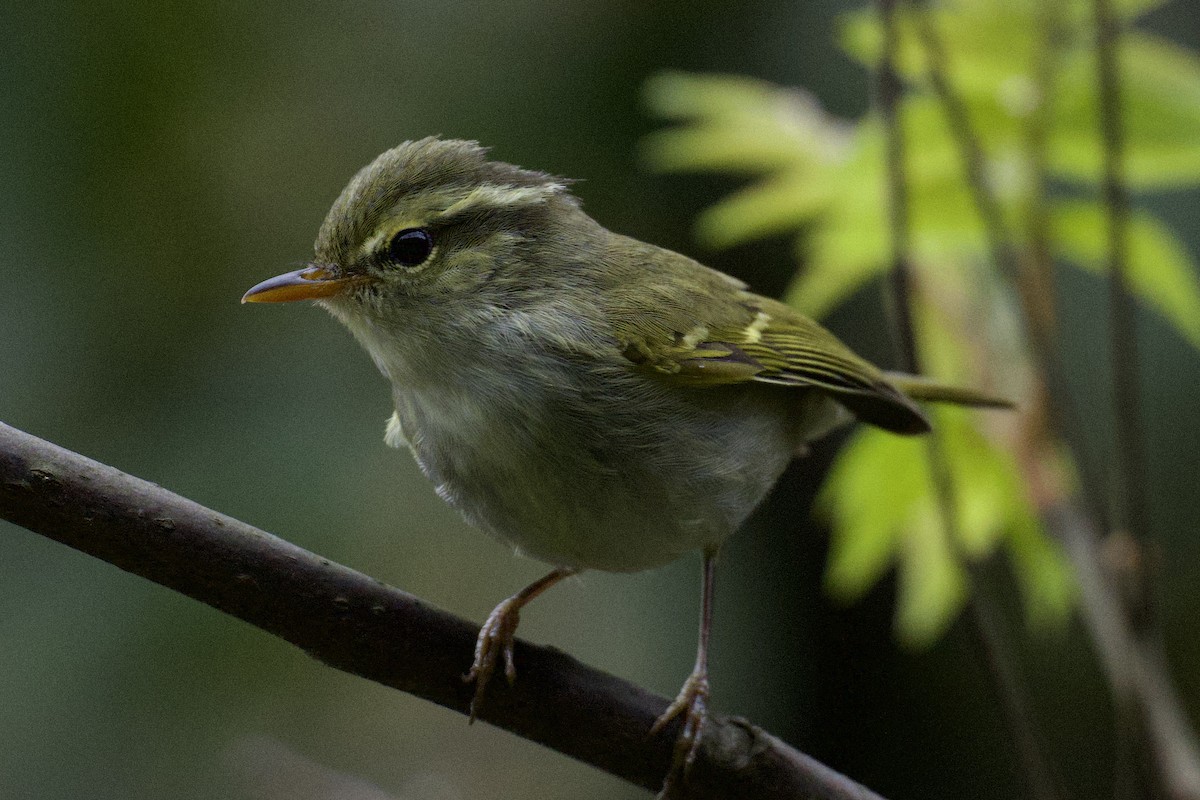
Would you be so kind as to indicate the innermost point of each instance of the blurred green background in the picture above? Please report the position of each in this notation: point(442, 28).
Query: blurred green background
point(157, 159)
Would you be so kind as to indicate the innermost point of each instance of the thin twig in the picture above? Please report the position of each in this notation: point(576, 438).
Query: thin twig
point(1127, 497)
point(887, 96)
point(1134, 671)
point(1000, 245)
point(1017, 707)
point(1129, 488)
point(1037, 279)
point(997, 654)
point(357, 624)
point(1036, 282)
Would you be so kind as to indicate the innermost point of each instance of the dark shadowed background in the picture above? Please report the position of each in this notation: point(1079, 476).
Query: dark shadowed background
point(158, 158)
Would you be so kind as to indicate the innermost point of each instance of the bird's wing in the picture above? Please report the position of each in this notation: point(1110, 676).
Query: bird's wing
point(707, 330)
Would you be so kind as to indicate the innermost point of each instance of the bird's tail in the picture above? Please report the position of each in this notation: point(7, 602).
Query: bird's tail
point(919, 388)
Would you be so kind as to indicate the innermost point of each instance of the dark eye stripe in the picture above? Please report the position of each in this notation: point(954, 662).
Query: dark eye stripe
point(410, 247)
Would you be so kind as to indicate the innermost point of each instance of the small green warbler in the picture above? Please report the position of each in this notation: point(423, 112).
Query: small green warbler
point(594, 401)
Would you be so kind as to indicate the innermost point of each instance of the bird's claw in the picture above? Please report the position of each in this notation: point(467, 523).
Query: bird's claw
point(692, 702)
point(496, 637)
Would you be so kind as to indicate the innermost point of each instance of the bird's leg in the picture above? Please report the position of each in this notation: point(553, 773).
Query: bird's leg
point(692, 700)
point(497, 636)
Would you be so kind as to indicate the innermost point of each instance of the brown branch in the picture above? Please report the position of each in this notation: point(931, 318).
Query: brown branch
point(359, 625)
point(1135, 672)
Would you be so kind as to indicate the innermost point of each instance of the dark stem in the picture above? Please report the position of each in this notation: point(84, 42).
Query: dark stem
point(1037, 279)
point(1016, 706)
point(995, 649)
point(1127, 496)
point(1129, 490)
point(359, 625)
point(898, 291)
point(1003, 253)
point(1137, 673)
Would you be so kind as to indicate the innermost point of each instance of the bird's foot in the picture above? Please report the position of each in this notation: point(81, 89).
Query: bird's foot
point(692, 702)
point(496, 637)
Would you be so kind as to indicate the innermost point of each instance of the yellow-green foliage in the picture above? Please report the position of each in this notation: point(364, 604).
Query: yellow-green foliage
point(824, 180)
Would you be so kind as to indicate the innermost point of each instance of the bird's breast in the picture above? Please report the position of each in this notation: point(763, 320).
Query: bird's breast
point(595, 467)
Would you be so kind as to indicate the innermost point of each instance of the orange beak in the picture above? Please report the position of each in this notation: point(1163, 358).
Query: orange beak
point(308, 283)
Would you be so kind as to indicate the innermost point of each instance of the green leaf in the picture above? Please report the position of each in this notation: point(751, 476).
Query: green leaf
point(1048, 583)
point(986, 41)
point(1160, 99)
point(851, 244)
point(933, 585)
point(1159, 269)
point(737, 125)
point(990, 61)
point(987, 44)
point(994, 508)
point(871, 493)
point(880, 497)
point(883, 512)
point(776, 206)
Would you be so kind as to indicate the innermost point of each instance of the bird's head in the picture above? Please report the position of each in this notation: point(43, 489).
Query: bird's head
point(427, 223)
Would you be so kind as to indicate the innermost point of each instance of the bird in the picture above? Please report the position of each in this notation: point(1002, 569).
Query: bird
point(593, 401)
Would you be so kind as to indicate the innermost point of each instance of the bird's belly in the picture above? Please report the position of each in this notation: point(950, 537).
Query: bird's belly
point(627, 480)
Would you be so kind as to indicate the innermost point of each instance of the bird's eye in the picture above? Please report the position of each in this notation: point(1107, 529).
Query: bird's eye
point(410, 247)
